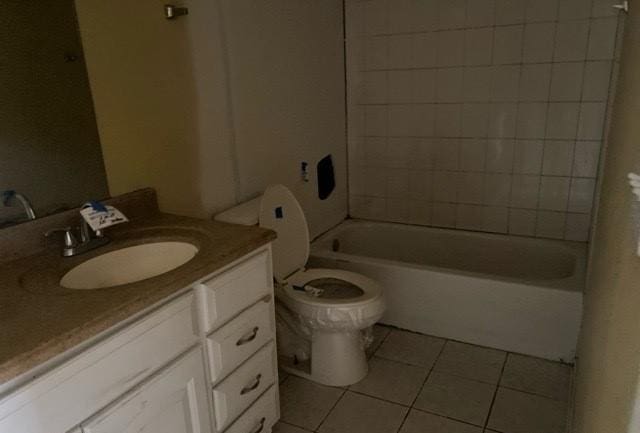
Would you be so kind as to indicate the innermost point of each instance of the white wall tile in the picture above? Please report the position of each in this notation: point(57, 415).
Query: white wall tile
point(470, 187)
point(467, 123)
point(602, 8)
point(424, 47)
point(425, 120)
point(475, 120)
point(510, 11)
point(597, 76)
point(591, 120)
point(424, 85)
point(558, 158)
point(534, 82)
point(480, 13)
point(502, 119)
point(446, 153)
point(550, 224)
point(499, 155)
point(473, 152)
point(443, 215)
point(376, 53)
point(505, 81)
point(375, 120)
point(478, 44)
point(450, 48)
point(445, 186)
point(376, 17)
point(522, 222)
point(554, 193)
point(425, 15)
point(541, 10)
point(374, 87)
point(602, 39)
point(451, 14)
point(507, 44)
point(562, 120)
point(581, 195)
point(566, 81)
point(524, 191)
point(577, 227)
point(586, 158)
point(477, 83)
point(538, 42)
point(400, 87)
point(497, 188)
point(400, 54)
point(449, 84)
point(571, 41)
point(532, 117)
point(495, 219)
point(574, 9)
point(527, 158)
point(448, 120)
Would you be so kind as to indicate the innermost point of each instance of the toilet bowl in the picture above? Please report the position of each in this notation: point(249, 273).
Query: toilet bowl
point(322, 313)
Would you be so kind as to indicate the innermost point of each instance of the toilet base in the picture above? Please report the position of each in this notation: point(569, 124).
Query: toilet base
point(337, 359)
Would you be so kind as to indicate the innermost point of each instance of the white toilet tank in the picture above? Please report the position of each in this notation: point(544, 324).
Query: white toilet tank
point(246, 213)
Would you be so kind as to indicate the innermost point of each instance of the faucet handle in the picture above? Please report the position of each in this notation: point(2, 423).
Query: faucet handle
point(69, 238)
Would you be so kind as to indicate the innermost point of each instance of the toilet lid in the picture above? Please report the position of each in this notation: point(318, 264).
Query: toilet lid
point(281, 212)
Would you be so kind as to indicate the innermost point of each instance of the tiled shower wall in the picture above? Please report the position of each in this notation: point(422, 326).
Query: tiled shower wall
point(478, 114)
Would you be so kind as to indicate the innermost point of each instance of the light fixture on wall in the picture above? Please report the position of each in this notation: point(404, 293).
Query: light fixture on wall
point(624, 6)
point(172, 12)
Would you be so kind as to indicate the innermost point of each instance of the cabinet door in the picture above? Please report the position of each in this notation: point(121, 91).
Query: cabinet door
point(173, 401)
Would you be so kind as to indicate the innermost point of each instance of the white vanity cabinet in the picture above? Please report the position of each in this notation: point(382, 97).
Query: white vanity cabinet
point(204, 362)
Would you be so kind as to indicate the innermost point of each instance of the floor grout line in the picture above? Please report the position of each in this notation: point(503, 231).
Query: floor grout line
point(495, 393)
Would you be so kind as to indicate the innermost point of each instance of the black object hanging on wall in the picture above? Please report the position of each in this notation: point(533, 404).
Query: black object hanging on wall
point(326, 177)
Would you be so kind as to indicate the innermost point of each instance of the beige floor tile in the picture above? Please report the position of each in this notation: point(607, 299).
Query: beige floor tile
point(456, 397)
point(422, 422)
point(304, 403)
point(391, 380)
point(411, 348)
point(380, 332)
point(357, 413)
point(282, 427)
point(473, 362)
point(539, 376)
point(519, 412)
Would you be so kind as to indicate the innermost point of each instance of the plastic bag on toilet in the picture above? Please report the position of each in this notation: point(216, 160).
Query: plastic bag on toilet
point(294, 331)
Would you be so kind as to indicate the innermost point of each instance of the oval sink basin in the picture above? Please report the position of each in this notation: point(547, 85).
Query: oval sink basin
point(129, 265)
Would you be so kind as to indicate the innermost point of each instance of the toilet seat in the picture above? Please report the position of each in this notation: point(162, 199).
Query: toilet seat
point(331, 314)
point(371, 290)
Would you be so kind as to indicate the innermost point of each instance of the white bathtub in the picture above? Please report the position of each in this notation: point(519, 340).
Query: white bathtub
point(512, 293)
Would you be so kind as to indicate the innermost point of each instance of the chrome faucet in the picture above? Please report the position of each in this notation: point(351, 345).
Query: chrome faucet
point(88, 238)
point(8, 195)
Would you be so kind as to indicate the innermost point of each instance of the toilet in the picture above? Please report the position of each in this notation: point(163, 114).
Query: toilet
point(322, 314)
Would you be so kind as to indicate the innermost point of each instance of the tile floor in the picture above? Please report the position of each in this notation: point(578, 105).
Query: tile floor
point(423, 384)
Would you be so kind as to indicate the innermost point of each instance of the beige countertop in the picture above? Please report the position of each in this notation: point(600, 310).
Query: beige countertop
point(39, 319)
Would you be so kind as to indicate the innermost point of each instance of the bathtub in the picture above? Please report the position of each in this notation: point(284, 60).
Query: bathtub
point(512, 293)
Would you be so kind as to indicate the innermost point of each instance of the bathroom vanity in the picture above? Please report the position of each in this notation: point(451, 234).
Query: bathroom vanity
point(190, 350)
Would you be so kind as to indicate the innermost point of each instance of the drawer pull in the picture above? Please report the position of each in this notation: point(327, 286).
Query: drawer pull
point(248, 338)
point(259, 427)
point(254, 385)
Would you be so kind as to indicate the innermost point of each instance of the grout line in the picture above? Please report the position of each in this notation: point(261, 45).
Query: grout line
point(344, 391)
point(495, 393)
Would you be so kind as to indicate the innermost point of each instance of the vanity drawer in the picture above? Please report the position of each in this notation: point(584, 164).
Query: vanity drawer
point(233, 291)
point(236, 341)
point(260, 417)
point(234, 394)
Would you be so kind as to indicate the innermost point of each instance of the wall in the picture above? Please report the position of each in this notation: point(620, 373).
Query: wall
point(212, 107)
point(49, 146)
point(483, 115)
point(608, 367)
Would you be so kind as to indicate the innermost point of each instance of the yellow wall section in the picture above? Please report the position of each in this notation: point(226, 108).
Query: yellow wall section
point(609, 352)
point(211, 108)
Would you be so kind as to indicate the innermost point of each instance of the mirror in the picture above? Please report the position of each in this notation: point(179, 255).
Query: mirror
point(50, 151)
